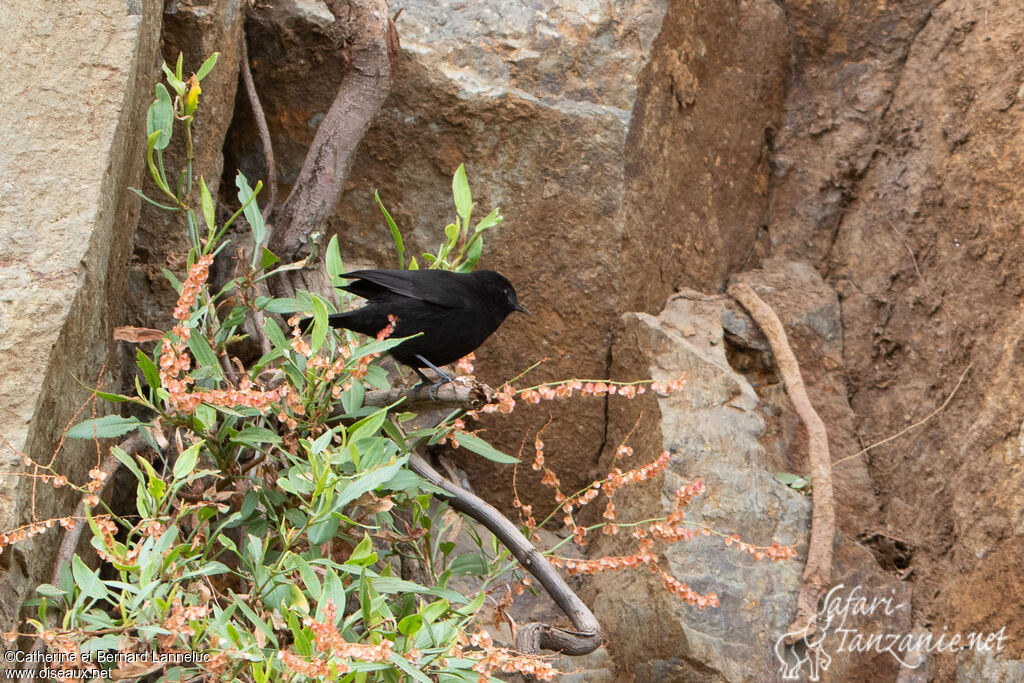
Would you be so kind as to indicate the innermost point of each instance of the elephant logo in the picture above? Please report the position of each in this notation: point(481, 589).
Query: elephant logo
point(806, 648)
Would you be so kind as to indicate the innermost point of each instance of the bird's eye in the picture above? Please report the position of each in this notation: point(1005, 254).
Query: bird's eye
point(508, 292)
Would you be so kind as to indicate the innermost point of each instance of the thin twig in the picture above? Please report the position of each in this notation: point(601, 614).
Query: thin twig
point(131, 446)
point(818, 570)
point(264, 131)
point(913, 426)
point(913, 259)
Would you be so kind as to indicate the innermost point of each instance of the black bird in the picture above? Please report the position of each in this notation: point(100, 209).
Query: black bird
point(455, 312)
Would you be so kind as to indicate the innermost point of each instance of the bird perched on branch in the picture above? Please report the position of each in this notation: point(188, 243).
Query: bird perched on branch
point(453, 313)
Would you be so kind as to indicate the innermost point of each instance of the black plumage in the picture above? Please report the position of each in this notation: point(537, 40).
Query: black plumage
point(455, 312)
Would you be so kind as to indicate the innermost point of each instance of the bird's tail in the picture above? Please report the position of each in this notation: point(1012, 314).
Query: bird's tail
point(342, 320)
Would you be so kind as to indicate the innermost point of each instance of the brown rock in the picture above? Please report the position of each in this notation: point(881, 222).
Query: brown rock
point(66, 224)
point(568, 117)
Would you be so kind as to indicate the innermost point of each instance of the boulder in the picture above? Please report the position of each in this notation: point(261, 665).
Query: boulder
point(716, 431)
point(72, 130)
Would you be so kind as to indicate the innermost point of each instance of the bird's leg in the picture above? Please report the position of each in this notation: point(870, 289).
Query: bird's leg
point(445, 377)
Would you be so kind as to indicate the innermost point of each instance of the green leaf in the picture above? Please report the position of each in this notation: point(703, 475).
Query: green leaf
point(128, 462)
point(405, 665)
point(410, 625)
point(368, 481)
point(320, 325)
point(275, 335)
point(362, 554)
point(468, 565)
point(435, 610)
point(160, 117)
point(267, 258)
point(332, 260)
point(186, 462)
point(175, 282)
point(413, 265)
point(352, 400)
point(253, 436)
point(178, 73)
point(481, 447)
point(793, 481)
point(207, 66)
point(489, 221)
point(87, 580)
point(149, 369)
point(368, 426)
point(205, 356)
point(175, 81)
point(451, 231)
point(247, 195)
point(396, 234)
point(208, 213)
point(460, 190)
point(50, 591)
point(106, 427)
point(296, 600)
point(153, 172)
point(257, 622)
point(321, 532)
point(476, 246)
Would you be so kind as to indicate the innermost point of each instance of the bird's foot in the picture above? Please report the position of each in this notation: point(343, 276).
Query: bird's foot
point(445, 377)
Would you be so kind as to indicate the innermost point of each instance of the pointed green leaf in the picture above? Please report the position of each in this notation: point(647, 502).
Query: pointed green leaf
point(208, 209)
point(87, 580)
point(176, 83)
point(106, 427)
point(396, 234)
point(460, 190)
point(489, 221)
point(267, 259)
point(186, 462)
point(149, 369)
point(320, 325)
point(481, 447)
point(160, 117)
point(127, 461)
point(205, 356)
point(332, 260)
point(247, 195)
point(362, 554)
point(207, 66)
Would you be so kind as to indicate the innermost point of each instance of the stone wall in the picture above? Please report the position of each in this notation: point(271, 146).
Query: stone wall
point(78, 79)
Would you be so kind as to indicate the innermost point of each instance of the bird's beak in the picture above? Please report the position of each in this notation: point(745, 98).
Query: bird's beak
point(522, 309)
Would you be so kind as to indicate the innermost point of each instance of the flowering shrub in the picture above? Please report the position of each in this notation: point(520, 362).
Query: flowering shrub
point(273, 503)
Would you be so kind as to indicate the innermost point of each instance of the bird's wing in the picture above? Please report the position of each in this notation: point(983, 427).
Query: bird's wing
point(425, 285)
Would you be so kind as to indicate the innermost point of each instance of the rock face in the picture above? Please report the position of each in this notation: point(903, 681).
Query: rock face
point(716, 431)
point(196, 29)
point(66, 226)
point(905, 197)
point(586, 124)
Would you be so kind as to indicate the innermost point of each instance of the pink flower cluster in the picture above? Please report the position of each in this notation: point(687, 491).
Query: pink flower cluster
point(681, 590)
point(175, 360)
point(327, 640)
point(490, 658)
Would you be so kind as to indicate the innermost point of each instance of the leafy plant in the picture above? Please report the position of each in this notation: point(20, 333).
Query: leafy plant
point(461, 248)
point(274, 504)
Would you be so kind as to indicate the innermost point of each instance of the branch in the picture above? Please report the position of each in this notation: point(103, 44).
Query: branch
point(365, 27)
point(264, 131)
point(585, 636)
point(464, 393)
point(818, 570)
